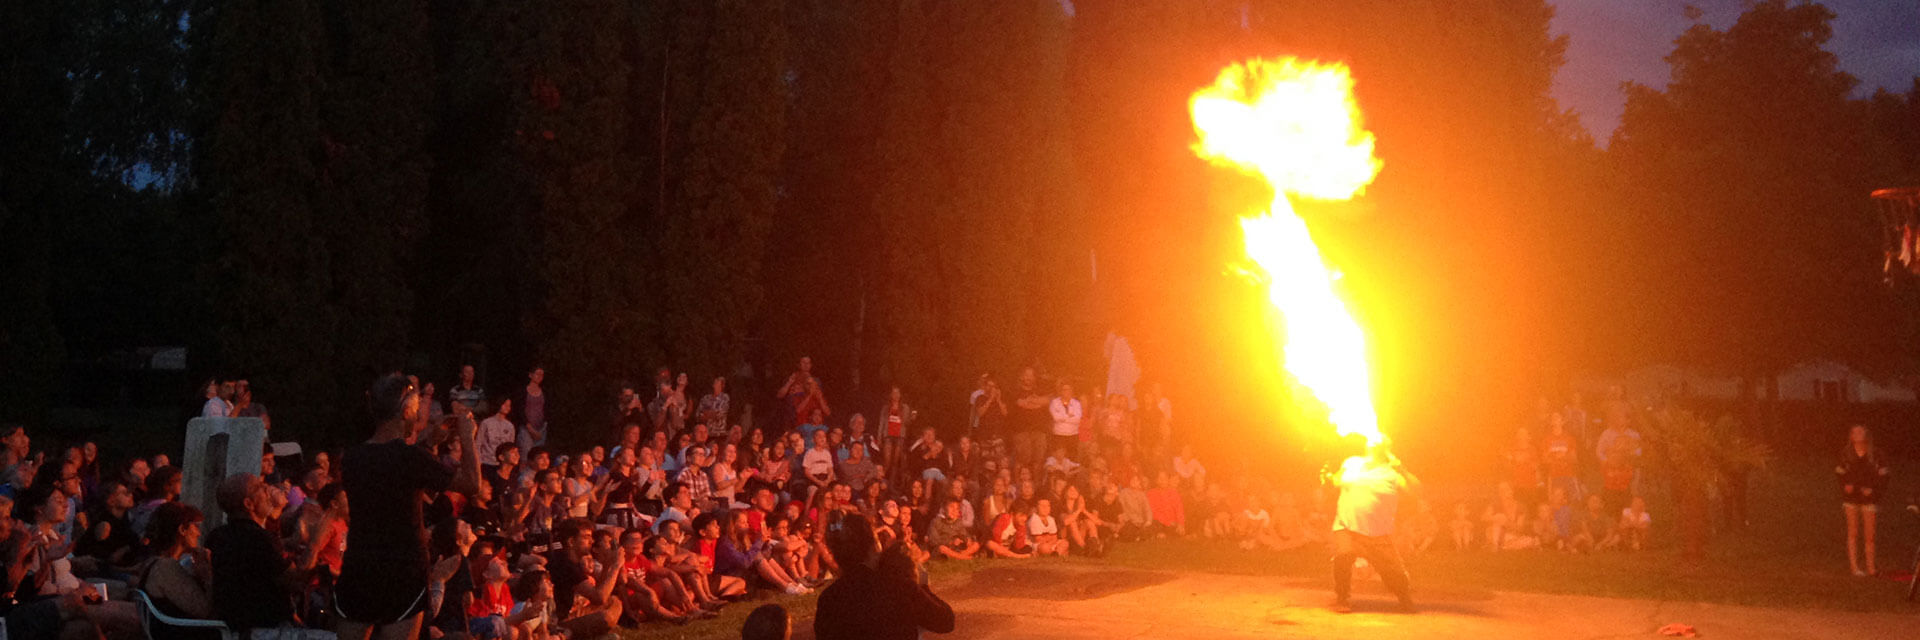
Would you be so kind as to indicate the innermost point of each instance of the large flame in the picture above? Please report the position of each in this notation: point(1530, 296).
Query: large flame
point(1294, 124)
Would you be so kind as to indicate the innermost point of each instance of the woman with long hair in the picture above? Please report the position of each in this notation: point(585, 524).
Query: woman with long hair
point(1863, 477)
point(775, 468)
point(179, 577)
point(577, 483)
point(725, 477)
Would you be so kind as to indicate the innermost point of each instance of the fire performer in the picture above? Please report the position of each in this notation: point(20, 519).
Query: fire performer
point(1370, 489)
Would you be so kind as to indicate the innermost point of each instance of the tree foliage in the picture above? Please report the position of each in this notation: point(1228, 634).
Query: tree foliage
point(1744, 183)
point(910, 191)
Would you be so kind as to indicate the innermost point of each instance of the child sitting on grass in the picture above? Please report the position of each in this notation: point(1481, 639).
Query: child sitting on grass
point(1423, 529)
point(1562, 519)
point(1604, 527)
point(1634, 524)
point(1007, 536)
point(1460, 527)
point(1543, 529)
point(1254, 527)
point(1518, 535)
point(948, 538)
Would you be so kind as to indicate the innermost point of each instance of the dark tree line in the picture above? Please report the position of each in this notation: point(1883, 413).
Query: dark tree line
point(308, 192)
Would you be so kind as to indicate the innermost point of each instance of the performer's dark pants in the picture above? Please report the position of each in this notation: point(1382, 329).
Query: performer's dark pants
point(1379, 552)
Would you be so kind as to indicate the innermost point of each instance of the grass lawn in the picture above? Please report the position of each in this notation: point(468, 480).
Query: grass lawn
point(1791, 555)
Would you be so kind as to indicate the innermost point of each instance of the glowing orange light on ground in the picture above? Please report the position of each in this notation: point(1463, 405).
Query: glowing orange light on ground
point(1295, 124)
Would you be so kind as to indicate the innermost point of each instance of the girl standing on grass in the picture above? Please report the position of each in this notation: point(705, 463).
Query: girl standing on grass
point(1863, 476)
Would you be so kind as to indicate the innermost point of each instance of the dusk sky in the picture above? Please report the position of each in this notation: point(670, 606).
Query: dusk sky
point(1613, 41)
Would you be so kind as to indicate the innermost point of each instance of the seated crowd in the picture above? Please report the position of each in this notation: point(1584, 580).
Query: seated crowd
point(681, 511)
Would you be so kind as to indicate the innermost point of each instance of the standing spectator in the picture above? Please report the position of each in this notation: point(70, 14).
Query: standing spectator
point(800, 390)
point(1067, 414)
point(532, 405)
point(1561, 452)
point(1146, 419)
point(1619, 453)
point(989, 417)
point(1030, 421)
point(1523, 468)
point(896, 421)
point(468, 394)
point(430, 401)
point(1116, 423)
point(1863, 477)
point(384, 572)
point(245, 407)
point(496, 430)
point(714, 406)
point(219, 405)
point(1579, 425)
point(681, 407)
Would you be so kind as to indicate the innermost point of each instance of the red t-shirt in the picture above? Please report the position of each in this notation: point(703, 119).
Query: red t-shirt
point(896, 426)
point(491, 600)
point(1010, 534)
point(1560, 456)
point(1166, 507)
point(1524, 467)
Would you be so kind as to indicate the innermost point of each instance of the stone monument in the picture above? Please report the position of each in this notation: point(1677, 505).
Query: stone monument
point(217, 448)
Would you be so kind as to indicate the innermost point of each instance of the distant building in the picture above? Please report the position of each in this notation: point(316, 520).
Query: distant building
point(1812, 381)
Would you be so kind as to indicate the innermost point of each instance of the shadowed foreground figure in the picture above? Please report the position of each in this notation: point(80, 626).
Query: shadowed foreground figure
point(1370, 489)
point(883, 595)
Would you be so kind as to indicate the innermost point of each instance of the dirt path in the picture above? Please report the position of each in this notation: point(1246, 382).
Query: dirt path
point(1073, 602)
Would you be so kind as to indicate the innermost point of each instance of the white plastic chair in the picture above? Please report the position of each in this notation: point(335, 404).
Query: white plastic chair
point(150, 614)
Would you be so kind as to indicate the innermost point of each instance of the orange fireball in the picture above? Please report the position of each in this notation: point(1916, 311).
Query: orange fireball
point(1295, 125)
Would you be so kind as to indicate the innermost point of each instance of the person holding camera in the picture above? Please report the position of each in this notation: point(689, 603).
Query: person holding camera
point(882, 594)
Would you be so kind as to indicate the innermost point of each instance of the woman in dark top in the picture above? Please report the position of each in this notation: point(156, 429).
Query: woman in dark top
point(1863, 476)
point(382, 589)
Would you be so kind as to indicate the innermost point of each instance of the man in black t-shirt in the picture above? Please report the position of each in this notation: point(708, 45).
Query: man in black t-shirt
point(1030, 420)
point(382, 589)
point(567, 567)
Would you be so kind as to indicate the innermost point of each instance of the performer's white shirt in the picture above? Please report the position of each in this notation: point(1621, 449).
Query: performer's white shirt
point(1369, 496)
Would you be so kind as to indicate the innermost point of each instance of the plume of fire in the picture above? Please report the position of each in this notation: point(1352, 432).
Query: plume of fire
point(1295, 125)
